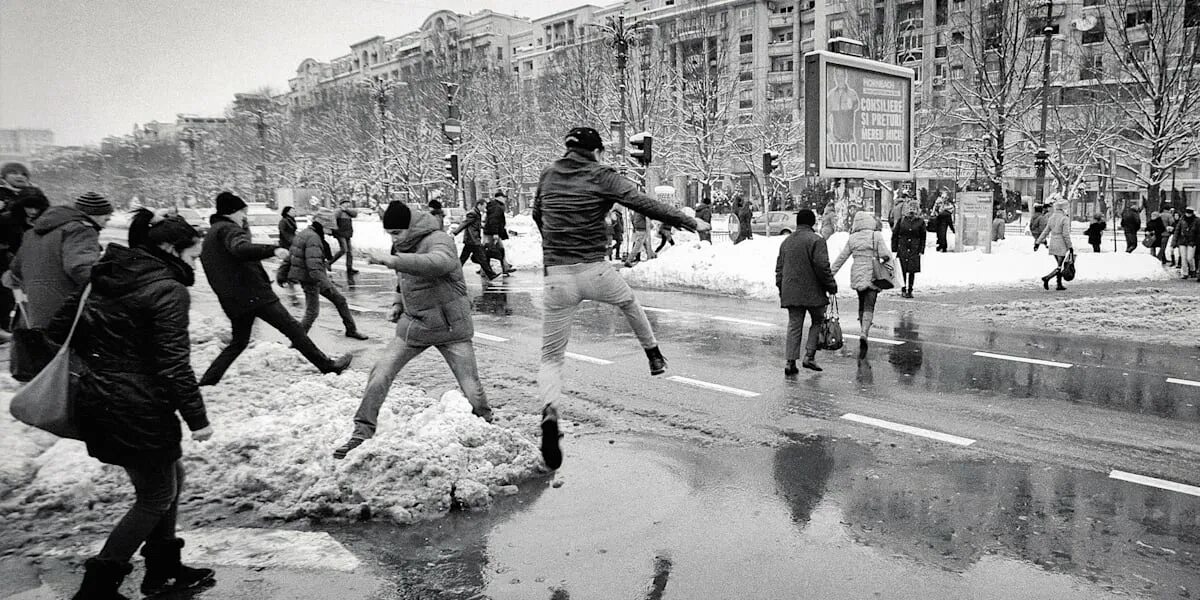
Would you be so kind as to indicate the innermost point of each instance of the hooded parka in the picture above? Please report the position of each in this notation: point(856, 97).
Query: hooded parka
point(55, 260)
point(866, 246)
point(431, 286)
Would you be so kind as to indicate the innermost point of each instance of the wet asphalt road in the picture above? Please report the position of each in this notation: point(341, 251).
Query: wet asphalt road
point(772, 493)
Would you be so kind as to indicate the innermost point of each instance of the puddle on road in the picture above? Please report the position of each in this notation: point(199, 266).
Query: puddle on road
point(816, 518)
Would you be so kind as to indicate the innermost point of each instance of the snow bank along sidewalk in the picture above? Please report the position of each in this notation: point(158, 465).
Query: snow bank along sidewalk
point(748, 269)
point(277, 422)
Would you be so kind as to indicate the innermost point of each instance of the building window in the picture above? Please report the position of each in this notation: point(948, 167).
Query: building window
point(1140, 52)
point(957, 72)
point(746, 76)
point(785, 35)
point(746, 44)
point(747, 15)
point(940, 52)
point(957, 38)
point(785, 9)
point(1138, 17)
point(837, 27)
point(1095, 35)
point(941, 12)
point(1091, 66)
point(1191, 13)
point(1036, 26)
point(499, 53)
point(746, 99)
point(670, 2)
point(781, 91)
point(782, 64)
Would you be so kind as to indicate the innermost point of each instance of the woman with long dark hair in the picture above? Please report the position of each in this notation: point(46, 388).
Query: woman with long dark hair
point(132, 339)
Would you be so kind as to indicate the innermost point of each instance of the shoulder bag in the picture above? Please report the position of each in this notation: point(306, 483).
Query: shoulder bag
point(1068, 267)
point(48, 400)
point(883, 272)
point(829, 334)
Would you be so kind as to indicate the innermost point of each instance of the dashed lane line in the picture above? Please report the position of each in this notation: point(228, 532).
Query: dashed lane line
point(589, 359)
point(1163, 484)
point(659, 310)
point(1021, 359)
point(716, 387)
point(490, 338)
point(1183, 381)
point(909, 429)
point(876, 340)
point(742, 321)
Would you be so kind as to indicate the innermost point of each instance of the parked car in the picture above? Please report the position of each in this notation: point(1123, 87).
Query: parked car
point(264, 227)
point(196, 219)
point(783, 222)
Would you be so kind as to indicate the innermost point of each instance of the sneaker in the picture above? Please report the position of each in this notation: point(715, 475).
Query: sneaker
point(345, 449)
point(551, 452)
point(356, 335)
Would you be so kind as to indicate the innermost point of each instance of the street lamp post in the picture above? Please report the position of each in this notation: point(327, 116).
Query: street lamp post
point(257, 105)
point(381, 92)
point(620, 37)
point(1042, 155)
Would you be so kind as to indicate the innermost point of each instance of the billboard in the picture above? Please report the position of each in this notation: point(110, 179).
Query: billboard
point(858, 117)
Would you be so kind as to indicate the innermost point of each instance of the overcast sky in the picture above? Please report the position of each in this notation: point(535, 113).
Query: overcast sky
point(90, 68)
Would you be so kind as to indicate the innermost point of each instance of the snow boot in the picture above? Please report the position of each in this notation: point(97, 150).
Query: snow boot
point(102, 580)
point(345, 449)
point(790, 368)
point(551, 452)
point(658, 364)
point(355, 334)
point(810, 363)
point(165, 573)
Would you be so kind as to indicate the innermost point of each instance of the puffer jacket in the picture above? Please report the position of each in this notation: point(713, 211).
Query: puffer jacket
point(495, 223)
point(233, 268)
point(133, 339)
point(866, 246)
point(308, 260)
point(431, 287)
point(1057, 234)
point(55, 260)
point(471, 228)
point(1187, 232)
point(573, 196)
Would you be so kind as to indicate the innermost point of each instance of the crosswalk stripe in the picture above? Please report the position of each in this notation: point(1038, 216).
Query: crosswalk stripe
point(1161, 484)
point(1021, 359)
point(909, 429)
point(713, 386)
point(1183, 381)
point(589, 359)
point(489, 337)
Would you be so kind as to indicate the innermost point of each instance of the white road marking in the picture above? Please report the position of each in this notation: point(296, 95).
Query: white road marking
point(1032, 361)
point(935, 435)
point(661, 310)
point(743, 321)
point(1183, 381)
point(490, 338)
point(1173, 486)
point(589, 359)
point(876, 340)
point(714, 386)
point(357, 308)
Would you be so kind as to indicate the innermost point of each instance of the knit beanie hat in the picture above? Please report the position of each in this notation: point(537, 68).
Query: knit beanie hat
point(173, 230)
point(584, 138)
point(93, 204)
point(397, 216)
point(435, 204)
point(229, 203)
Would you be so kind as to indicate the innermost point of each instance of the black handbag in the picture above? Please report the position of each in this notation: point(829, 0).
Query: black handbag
point(31, 351)
point(1068, 267)
point(883, 272)
point(829, 334)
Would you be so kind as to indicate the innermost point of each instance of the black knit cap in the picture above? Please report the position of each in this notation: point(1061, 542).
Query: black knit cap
point(397, 216)
point(806, 217)
point(229, 203)
point(435, 204)
point(584, 138)
point(93, 204)
point(172, 230)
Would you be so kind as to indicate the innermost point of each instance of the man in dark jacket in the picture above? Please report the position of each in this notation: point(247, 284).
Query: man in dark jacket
point(18, 210)
point(805, 283)
point(495, 231)
point(232, 264)
point(472, 230)
point(944, 223)
point(704, 213)
point(431, 309)
point(641, 239)
point(342, 233)
point(744, 211)
point(56, 256)
point(1131, 222)
point(1187, 235)
point(573, 196)
point(308, 266)
point(1037, 224)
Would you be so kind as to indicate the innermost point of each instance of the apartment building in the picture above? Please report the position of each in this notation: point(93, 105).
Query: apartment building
point(20, 145)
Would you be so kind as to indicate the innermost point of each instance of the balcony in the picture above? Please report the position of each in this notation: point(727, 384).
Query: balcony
point(779, 76)
point(781, 20)
point(916, 23)
point(785, 48)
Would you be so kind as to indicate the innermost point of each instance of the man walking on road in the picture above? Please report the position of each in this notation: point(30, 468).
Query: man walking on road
point(495, 231)
point(472, 230)
point(232, 264)
point(805, 283)
point(704, 213)
point(1187, 235)
point(573, 196)
point(1131, 222)
point(342, 232)
point(431, 309)
point(1037, 224)
point(307, 265)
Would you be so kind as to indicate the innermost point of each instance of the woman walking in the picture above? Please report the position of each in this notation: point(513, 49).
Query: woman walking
point(287, 234)
point(133, 339)
point(867, 247)
point(1058, 237)
point(908, 240)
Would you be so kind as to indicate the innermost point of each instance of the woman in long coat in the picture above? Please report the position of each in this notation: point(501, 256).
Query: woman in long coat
point(908, 241)
point(133, 338)
point(1057, 236)
point(867, 246)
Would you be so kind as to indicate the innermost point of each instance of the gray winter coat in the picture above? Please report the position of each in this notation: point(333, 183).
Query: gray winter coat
point(55, 260)
point(802, 270)
point(1058, 232)
point(432, 289)
point(865, 245)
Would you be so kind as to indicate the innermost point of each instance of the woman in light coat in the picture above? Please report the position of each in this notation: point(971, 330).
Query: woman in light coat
point(1057, 236)
point(866, 246)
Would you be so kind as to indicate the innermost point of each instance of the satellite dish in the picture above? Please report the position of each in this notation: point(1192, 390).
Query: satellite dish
point(1085, 23)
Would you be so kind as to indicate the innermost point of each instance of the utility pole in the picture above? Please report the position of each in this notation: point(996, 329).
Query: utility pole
point(620, 37)
point(452, 127)
point(1042, 155)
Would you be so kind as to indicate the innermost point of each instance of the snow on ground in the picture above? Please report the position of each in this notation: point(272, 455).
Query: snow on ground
point(1146, 315)
point(748, 269)
point(277, 421)
point(523, 248)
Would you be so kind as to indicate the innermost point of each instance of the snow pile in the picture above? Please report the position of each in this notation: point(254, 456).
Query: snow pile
point(1145, 315)
point(276, 424)
point(19, 444)
point(748, 269)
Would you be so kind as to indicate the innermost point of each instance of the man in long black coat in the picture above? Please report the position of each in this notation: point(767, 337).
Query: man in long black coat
point(805, 282)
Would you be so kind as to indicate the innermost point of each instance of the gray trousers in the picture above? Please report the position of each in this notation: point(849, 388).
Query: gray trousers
point(795, 330)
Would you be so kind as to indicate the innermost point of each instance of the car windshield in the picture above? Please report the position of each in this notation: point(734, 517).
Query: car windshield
point(262, 220)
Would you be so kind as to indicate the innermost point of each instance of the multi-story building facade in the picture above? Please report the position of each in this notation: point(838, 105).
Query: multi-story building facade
point(20, 145)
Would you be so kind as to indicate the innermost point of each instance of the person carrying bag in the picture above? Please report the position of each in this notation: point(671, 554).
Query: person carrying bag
point(829, 336)
point(884, 272)
point(47, 402)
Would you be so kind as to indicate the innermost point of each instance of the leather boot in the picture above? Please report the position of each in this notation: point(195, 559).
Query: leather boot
point(165, 573)
point(102, 580)
point(790, 368)
point(810, 362)
point(658, 364)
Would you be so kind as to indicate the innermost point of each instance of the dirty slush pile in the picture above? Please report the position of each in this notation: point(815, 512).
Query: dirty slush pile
point(276, 422)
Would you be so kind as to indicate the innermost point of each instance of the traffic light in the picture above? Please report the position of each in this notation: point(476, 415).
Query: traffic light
point(452, 168)
point(1040, 159)
point(642, 148)
point(770, 162)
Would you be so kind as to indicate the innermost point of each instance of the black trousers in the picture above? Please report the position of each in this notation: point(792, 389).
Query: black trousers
point(478, 255)
point(7, 304)
point(275, 315)
point(1131, 240)
point(154, 512)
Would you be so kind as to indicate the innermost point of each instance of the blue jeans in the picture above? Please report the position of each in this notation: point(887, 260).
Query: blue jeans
point(459, 355)
point(566, 286)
